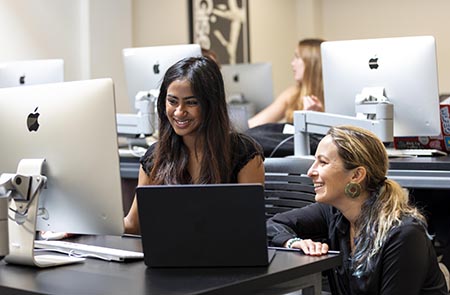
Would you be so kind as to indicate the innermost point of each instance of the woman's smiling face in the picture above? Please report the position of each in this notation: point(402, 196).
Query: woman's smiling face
point(183, 108)
point(328, 173)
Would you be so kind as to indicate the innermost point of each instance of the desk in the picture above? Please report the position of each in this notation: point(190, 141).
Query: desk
point(421, 172)
point(428, 179)
point(100, 277)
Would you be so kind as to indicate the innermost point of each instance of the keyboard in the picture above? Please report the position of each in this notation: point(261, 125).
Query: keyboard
point(87, 251)
point(392, 153)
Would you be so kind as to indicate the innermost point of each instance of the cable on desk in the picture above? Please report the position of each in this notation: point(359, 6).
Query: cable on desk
point(279, 145)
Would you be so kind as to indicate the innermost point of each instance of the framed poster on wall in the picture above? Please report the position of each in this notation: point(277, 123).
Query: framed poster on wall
point(221, 26)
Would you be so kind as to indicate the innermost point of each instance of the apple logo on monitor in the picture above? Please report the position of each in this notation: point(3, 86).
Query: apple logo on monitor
point(236, 78)
point(373, 63)
point(22, 79)
point(156, 68)
point(32, 120)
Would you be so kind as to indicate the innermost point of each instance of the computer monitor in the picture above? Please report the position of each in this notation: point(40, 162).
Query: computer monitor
point(249, 82)
point(145, 66)
point(405, 67)
point(73, 126)
point(31, 72)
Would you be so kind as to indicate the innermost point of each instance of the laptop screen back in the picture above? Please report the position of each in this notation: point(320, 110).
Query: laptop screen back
point(203, 225)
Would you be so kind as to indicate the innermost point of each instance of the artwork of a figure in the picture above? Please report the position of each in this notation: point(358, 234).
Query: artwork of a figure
point(221, 25)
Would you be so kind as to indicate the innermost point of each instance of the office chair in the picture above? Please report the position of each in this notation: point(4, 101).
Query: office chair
point(286, 184)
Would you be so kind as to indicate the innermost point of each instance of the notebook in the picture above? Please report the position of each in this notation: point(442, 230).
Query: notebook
point(214, 225)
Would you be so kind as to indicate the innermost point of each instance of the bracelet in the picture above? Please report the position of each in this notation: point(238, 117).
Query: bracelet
point(292, 241)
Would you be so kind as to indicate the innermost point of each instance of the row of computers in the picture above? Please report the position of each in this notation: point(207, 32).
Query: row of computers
point(61, 139)
point(404, 68)
point(400, 71)
point(144, 70)
point(72, 127)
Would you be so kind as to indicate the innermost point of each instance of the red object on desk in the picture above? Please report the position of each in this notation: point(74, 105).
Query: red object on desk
point(440, 142)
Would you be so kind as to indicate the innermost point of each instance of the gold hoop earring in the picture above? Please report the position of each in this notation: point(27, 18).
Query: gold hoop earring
point(353, 190)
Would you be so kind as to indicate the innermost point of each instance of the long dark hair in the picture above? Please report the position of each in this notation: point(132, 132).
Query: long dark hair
point(170, 160)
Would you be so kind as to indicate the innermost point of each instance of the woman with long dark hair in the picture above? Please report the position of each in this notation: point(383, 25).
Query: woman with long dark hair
point(196, 142)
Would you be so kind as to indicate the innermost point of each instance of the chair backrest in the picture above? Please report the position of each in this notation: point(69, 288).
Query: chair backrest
point(286, 184)
point(287, 187)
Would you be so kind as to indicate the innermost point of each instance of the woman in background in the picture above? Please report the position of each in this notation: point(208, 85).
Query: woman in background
point(383, 239)
point(196, 142)
point(306, 94)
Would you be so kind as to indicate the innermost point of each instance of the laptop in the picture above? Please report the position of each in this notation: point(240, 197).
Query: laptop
point(213, 225)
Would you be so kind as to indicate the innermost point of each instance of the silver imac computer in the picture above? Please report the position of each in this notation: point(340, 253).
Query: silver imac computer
point(405, 67)
point(249, 83)
point(375, 73)
point(68, 130)
point(145, 66)
point(31, 72)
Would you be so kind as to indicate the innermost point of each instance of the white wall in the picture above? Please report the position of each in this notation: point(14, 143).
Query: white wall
point(273, 38)
point(41, 29)
point(88, 35)
point(110, 31)
point(157, 22)
point(358, 19)
point(272, 31)
point(272, 25)
point(277, 25)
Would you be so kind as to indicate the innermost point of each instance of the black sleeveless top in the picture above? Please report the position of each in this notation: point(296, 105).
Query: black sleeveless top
point(244, 148)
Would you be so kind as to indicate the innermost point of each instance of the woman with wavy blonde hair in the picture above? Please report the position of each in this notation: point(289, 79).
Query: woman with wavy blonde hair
point(382, 237)
point(306, 94)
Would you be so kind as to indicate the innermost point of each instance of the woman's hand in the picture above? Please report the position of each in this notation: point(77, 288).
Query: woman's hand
point(310, 247)
point(312, 103)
